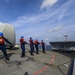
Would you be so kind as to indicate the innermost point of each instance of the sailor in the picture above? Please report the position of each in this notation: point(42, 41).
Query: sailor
point(22, 43)
point(43, 46)
point(2, 45)
point(36, 46)
point(31, 46)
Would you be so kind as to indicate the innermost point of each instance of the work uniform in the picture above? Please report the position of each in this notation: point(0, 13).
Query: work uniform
point(31, 46)
point(36, 46)
point(43, 46)
point(22, 43)
point(3, 47)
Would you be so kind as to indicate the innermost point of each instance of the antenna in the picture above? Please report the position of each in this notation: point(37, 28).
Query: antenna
point(66, 37)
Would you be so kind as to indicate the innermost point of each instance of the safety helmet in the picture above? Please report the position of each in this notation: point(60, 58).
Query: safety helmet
point(30, 37)
point(42, 40)
point(22, 36)
point(1, 34)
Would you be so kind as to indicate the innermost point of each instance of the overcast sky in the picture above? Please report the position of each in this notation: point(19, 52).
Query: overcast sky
point(49, 20)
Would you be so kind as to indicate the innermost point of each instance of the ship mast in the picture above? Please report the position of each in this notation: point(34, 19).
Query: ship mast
point(65, 42)
point(65, 37)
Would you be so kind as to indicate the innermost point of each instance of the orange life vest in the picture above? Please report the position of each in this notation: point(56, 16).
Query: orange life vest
point(1, 40)
point(31, 41)
point(22, 41)
point(35, 42)
point(42, 43)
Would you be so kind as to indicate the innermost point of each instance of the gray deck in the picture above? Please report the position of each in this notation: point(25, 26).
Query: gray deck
point(33, 65)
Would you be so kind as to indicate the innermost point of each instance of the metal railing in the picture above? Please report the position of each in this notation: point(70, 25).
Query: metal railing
point(71, 70)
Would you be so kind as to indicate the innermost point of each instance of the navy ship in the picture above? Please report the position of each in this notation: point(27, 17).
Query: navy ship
point(63, 45)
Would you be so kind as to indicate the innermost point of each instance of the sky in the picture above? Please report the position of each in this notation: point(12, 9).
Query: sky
point(47, 20)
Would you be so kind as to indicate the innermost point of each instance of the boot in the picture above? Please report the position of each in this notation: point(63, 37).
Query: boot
point(7, 58)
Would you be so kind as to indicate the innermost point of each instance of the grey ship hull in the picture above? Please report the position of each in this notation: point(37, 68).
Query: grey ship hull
point(63, 45)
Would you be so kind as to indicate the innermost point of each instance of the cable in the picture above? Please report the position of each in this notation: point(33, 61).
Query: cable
point(63, 65)
point(60, 69)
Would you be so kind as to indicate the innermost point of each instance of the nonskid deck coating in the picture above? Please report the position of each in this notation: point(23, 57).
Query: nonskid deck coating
point(33, 65)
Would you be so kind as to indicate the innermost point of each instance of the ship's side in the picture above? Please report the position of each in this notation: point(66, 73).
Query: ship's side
point(63, 45)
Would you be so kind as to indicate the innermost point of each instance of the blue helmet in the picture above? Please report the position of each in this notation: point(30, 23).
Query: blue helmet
point(30, 37)
point(42, 40)
point(22, 36)
point(1, 34)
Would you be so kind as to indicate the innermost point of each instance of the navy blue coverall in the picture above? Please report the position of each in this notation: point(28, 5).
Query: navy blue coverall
point(22, 42)
point(37, 50)
point(43, 46)
point(31, 46)
point(23, 49)
point(3, 48)
point(36, 46)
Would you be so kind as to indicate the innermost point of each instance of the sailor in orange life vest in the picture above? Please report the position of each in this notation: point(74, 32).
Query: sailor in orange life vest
point(2, 45)
point(22, 43)
point(43, 46)
point(31, 45)
point(36, 46)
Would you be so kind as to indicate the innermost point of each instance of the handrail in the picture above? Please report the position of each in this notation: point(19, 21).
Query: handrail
point(71, 70)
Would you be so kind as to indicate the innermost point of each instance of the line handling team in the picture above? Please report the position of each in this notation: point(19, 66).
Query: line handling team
point(32, 44)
